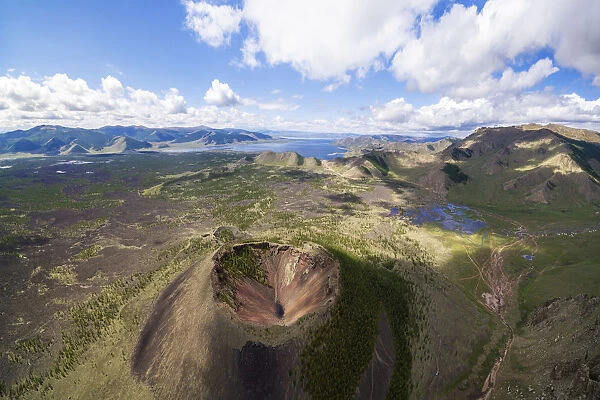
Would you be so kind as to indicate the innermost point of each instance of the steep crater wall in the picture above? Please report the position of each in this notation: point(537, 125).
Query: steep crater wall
point(271, 284)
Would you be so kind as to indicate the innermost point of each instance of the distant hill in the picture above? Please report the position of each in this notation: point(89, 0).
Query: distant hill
point(359, 167)
point(120, 144)
point(543, 164)
point(413, 163)
point(289, 159)
point(53, 146)
point(221, 136)
point(52, 139)
point(73, 148)
point(572, 133)
point(395, 142)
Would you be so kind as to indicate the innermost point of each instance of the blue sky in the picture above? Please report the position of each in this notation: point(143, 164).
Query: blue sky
point(408, 66)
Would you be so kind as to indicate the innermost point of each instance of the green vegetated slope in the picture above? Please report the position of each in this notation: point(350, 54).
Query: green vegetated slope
point(428, 318)
point(338, 352)
point(515, 169)
point(564, 266)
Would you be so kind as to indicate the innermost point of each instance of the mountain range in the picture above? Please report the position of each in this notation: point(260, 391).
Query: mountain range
point(515, 165)
point(53, 140)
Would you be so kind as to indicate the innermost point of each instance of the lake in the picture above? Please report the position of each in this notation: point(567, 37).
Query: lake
point(323, 149)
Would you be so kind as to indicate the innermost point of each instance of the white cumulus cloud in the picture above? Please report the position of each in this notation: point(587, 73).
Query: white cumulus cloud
point(112, 86)
point(174, 102)
point(212, 24)
point(505, 46)
point(325, 39)
point(466, 46)
point(220, 94)
point(509, 82)
point(465, 114)
point(72, 102)
point(397, 110)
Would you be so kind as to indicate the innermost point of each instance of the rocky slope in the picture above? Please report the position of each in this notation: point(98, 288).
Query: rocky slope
point(559, 349)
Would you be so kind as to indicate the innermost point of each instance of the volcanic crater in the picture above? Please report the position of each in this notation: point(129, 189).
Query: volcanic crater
point(268, 284)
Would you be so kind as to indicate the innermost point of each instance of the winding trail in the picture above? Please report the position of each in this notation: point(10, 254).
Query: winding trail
point(488, 385)
point(490, 381)
point(491, 273)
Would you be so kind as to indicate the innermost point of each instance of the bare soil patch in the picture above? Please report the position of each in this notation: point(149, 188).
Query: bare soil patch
point(375, 380)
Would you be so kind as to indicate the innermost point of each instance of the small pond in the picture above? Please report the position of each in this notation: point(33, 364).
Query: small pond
point(449, 217)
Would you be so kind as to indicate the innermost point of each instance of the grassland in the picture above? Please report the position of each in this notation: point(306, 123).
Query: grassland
point(564, 266)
